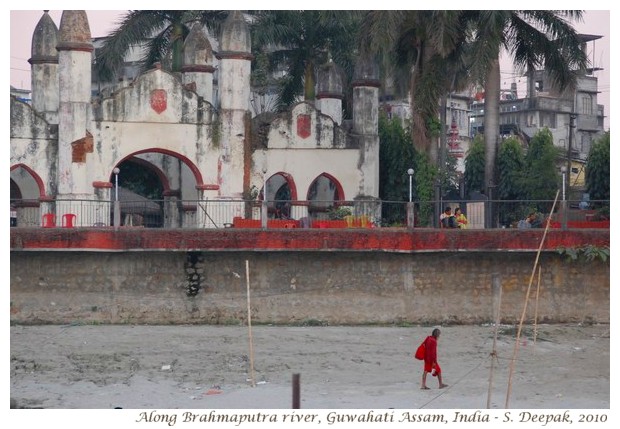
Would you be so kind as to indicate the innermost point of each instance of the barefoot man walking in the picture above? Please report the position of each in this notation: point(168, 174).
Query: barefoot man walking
point(430, 359)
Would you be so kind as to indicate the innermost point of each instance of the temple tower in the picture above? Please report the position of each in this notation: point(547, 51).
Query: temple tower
point(366, 124)
point(330, 91)
point(44, 69)
point(197, 66)
point(74, 72)
point(234, 84)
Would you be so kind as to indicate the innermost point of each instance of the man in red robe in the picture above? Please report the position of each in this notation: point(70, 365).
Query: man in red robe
point(430, 359)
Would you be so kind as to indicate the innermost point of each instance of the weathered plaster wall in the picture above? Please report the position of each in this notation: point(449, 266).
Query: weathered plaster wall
point(336, 288)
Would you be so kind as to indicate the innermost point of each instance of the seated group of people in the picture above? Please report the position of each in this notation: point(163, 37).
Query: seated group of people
point(459, 220)
point(531, 221)
point(450, 220)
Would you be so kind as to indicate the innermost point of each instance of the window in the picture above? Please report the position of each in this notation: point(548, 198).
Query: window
point(586, 105)
point(586, 142)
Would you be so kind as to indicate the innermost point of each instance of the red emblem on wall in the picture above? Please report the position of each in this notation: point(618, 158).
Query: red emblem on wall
point(303, 126)
point(159, 100)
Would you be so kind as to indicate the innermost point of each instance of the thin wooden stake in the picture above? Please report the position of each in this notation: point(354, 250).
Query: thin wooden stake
point(527, 296)
point(247, 279)
point(536, 307)
point(496, 286)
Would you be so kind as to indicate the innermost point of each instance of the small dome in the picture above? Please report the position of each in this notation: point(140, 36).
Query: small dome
point(74, 33)
point(197, 49)
point(329, 80)
point(44, 40)
point(235, 34)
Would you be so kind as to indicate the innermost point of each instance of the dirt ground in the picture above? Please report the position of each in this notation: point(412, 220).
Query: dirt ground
point(215, 367)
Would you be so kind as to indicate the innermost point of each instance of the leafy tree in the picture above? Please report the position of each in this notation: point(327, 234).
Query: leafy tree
point(261, 81)
point(299, 41)
point(534, 39)
point(510, 165)
point(141, 180)
point(425, 176)
point(396, 156)
point(597, 169)
point(160, 32)
point(474, 166)
point(541, 179)
point(421, 48)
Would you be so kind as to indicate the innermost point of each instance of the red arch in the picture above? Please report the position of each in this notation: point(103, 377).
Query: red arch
point(193, 168)
point(34, 175)
point(289, 181)
point(339, 190)
point(160, 174)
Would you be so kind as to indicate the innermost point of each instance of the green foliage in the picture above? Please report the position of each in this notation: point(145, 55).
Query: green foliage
point(143, 181)
point(396, 156)
point(433, 127)
point(587, 253)
point(474, 166)
point(449, 178)
point(338, 213)
point(160, 32)
point(216, 131)
point(597, 169)
point(303, 41)
point(425, 175)
point(510, 163)
point(541, 179)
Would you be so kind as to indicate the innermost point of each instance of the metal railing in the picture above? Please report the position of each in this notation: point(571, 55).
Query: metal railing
point(173, 213)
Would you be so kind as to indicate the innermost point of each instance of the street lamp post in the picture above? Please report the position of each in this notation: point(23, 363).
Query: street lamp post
point(116, 171)
point(264, 211)
point(410, 213)
point(564, 205)
point(410, 173)
point(563, 169)
point(117, 208)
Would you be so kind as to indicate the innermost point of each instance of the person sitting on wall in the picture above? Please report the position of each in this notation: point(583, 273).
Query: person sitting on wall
point(461, 219)
point(534, 220)
point(531, 221)
point(447, 219)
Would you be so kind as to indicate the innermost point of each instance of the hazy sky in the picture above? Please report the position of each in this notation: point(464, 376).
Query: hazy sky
point(22, 24)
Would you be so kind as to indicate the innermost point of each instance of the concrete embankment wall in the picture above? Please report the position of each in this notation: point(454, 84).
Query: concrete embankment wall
point(332, 287)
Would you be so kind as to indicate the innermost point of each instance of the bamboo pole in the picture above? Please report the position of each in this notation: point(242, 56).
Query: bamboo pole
point(496, 286)
point(536, 307)
point(527, 295)
point(247, 279)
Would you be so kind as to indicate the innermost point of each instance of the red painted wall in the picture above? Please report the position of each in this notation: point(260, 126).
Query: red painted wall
point(379, 239)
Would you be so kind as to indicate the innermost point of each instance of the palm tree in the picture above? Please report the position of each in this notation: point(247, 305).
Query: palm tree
point(160, 32)
point(424, 49)
point(533, 39)
point(299, 41)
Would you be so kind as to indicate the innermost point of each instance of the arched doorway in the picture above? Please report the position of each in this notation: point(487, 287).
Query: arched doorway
point(140, 192)
point(325, 194)
point(280, 194)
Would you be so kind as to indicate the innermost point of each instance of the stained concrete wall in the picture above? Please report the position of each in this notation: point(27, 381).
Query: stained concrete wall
point(179, 287)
